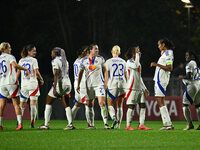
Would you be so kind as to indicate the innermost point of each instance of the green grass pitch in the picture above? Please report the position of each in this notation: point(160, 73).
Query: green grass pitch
point(59, 139)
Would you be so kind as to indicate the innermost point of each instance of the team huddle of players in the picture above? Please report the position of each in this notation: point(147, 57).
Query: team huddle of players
point(116, 79)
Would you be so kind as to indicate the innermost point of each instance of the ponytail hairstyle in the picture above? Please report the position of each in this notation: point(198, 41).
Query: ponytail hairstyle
point(84, 53)
point(4, 46)
point(130, 52)
point(116, 50)
point(26, 49)
point(169, 44)
point(194, 57)
point(60, 52)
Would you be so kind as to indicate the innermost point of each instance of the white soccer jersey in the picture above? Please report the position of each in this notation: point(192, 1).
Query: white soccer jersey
point(7, 71)
point(93, 77)
point(192, 67)
point(162, 75)
point(77, 64)
point(57, 64)
point(31, 64)
point(134, 81)
point(116, 67)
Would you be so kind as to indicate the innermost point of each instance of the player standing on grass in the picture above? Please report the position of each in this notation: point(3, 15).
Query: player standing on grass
point(192, 92)
point(80, 98)
point(61, 88)
point(29, 86)
point(161, 77)
point(136, 91)
point(93, 65)
point(116, 73)
point(9, 87)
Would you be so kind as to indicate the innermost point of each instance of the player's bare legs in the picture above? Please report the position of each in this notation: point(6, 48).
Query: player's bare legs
point(187, 115)
point(111, 111)
point(129, 117)
point(75, 109)
point(119, 105)
point(2, 107)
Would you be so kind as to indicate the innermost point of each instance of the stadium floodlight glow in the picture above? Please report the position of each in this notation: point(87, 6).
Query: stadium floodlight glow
point(186, 1)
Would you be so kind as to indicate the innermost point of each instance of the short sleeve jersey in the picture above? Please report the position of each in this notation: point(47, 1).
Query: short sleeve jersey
point(134, 74)
point(93, 77)
point(192, 67)
point(7, 70)
point(31, 64)
point(77, 64)
point(62, 77)
point(116, 67)
point(162, 75)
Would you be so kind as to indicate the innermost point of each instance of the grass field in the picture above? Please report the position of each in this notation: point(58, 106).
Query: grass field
point(58, 139)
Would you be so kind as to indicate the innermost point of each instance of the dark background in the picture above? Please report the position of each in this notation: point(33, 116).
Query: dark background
point(71, 24)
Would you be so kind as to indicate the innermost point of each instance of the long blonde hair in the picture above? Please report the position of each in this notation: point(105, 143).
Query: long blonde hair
point(3, 46)
point(85, 52)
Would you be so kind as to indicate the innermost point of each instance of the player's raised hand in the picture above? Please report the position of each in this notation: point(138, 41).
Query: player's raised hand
point(27, 73)
point(146, 92)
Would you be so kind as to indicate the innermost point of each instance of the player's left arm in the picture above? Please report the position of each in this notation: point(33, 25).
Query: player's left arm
point(146, 91)
point(169, 67)
point(55, 81)
point(105, 70)
point(39, 76)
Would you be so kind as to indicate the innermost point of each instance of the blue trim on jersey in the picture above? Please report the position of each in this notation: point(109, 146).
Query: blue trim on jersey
point(93, 61)
point(75, 101)
point(188, 96)
point(84, 59)
point(167, 53)
point(102, 78)
point(159, 85)
point(100, 57)
point(111, 96)
point(22, 96)
point(1, 96)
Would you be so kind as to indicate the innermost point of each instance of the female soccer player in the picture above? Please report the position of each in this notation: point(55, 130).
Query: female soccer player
point(29, 86)
point(136, 91)
point(61, 87)
point(80, 98)
point(93, 65)
point(161, 77)
point(8, 82)
point(192, 92)
point(116, 73)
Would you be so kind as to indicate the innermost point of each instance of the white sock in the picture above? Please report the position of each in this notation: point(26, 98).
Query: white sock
point(92, 116)
point(111, 111)
point(69, 115)
point(142, 116)
point(87, 115)
point(22, 111)
point(19, 119)
point(187, 114)
point(74, 111)
point(47, 114)
point(129, 117)
point(33, 112)
point(198, 114)
point(104, 114)
point(120, 114)
point(1, 120)
point(165, 116)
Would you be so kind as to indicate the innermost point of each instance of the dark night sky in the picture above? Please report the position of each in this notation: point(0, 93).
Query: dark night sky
point(70, 24)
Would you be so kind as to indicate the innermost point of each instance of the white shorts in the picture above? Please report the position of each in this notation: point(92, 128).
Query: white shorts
point(9, 91)
point(160, 89)
point(134, 97)
point(114, 93)
point(31, 92)
point(80, 97)
point(192, 94)
point(94, 92)
point(66, 89)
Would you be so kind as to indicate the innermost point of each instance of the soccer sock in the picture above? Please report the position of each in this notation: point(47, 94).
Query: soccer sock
point(119, 114)
point(87, 115)
point(74, 111)
point(22, 111)
point(165, 116)
point(33, 112)
point(187, 114)
point(198, 114)
point(111, 111)
point(142, 116)
point(129, 116)
point(1, 120)
point(47, 114)
point(104, 114)
point(91, 114)
point(69, 115)
point(19, 119)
